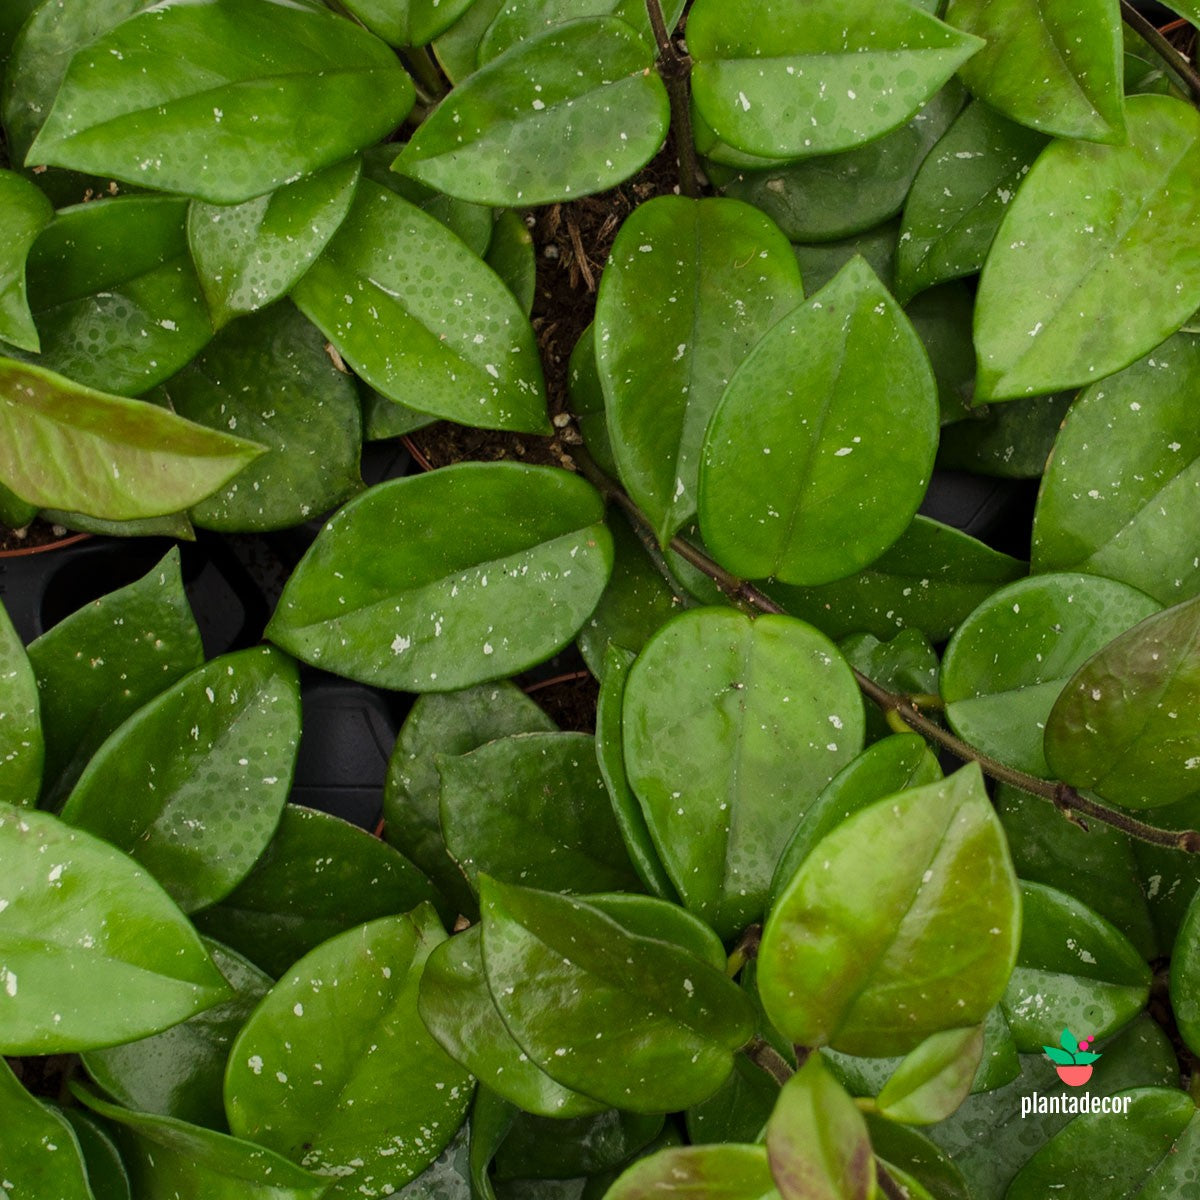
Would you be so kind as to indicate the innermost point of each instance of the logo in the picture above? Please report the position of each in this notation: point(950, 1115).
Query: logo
point(1074, 1060)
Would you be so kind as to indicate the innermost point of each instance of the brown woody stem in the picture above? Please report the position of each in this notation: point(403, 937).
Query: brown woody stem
point(764, 1055)
point(675, 69)
point(1174, 59)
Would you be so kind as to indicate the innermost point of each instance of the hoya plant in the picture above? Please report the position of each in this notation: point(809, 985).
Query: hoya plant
point(871, 866)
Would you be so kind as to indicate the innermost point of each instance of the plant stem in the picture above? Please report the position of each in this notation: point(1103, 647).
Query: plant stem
point(1173, 58)
point(764, 1055)
point(745, 951)
point(431, 87)
point(675, 69)
point(889, 1186)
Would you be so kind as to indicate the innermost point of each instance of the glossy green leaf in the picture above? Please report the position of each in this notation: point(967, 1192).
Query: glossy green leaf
point(181, 1071)
point(472, 223)
point(308, 887)
point(871, 953)
point(437, 725)
point(561, 971)
point(1169, 878)
point(1011, 440)
point(941, 317)
point(22, 745)
point(728, 723)
point(934, 1079)
point(1121, 496)
point(1008, 661)
point(172, 1160)
point(390, 594)
point(405, 329)
point(817, 1140)
point(723, 1172)
point(648, 916)
point(846, 74)
point(457, 49)
point(821, 262)
point(1074, 970)
point(489, 1123)
point(1066, 299)
point(81, 921)
point(738, 1110)
point(268, 377)
point(103, 662)
point(235, 96)
point(383, 418)
point(1126, 725)
point(586, 395)
point(193, 784)
point(815, 462)
point(407, 22)
point(511, 256)
point(248, 255)
point(906, 1152)
point(40, 1156)
point(1185, 977)
point(24, 212)
point(676, 313)
point(596, 100)
point(1150, 1150)
point(322, 1091)
point(906, 663)
point(960, 195)
point(10, 23)
point(544, 1148)
point(105, 1170)
point(1054, 65)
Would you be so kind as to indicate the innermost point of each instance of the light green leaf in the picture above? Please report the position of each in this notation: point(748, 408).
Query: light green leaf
point(720, 1172)
point(457, 49)
point(934, 1079)
point(24, 213)
point(407, 22)
point(22, 745)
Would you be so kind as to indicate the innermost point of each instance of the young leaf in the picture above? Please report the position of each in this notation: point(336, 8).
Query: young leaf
point(934, 1079)
point(390, 594)
point(872, 950)
point(721, 1172)
point(815, 462)
point(236, 96)
point(409, 22)
point(677, 312)
point(414, 341)
point(24, 213)
point(22, 746)
point(81, 921)
point(193, 784)
point(40, 1154)
point(1126, 256)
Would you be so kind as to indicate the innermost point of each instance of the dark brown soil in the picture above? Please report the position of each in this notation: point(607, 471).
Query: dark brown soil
point(37, 533)
point(569, 700)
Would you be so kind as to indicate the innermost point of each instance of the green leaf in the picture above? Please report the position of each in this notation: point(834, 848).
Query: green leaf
point(905, 1151)
point(849, 72)
point(22, 744)
point(647, 916)
point(817, 1141)
point(1185, 976)
point(941, 317)
point(934, 1079)
point(193, 784)
point(1011, 440)
point(169, 1159)
point(906, 663)
point(596, 100)
point(407, 22)
point(1169, 877)
point(1140, 424)
point(404, 328)
point(586, 395)
point(82, 921)
point(815, 462)
point(728, 723)
point(491, 1118)
point(103, 662)
point(390, 594)
point(1125, 254)
point(561, 971)
point(1054, 65)
point(308, 887)
point(511, 256)
point(872, 952)
point(820, 263)
point(236, 96)
point(457, 49)
point(676, 313)
point(545, 1148)
point(321, 1091)
point(959, 196)
point(738, 1110)
point(248, 255)
point(268, 377)
point(1074, 971)
point(24, 213)
point(106, 1173)
point(722, 1172)
point(1009, 660)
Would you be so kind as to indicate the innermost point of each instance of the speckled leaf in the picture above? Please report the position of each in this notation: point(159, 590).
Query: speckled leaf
point(959, 197)
point(81, 921)
point(929, 579)
point(323, 1091)
point(1008, 661)
point(1121, 496)
point(906, 663)
point(815, 461)
point(268, 377)
point(40, 1156)
point(405, 328)
point(597, 101)
point(308, 886)
point(383, 418)
point(872, 953)
point(248, 255)
point(677, 312)
point(24, 212)
point(22, 745)
point(103, 662)
point(1011, 440)
point(1169, 878)
point(1069, 298)
point(390, 594)
point(172, 1160)
point(1054, 65)
point(772, 85)
point(407, 22)
point(561, 971)
point(106, 1172)
point(235, 96)
point(728, 724)
point(934, 1079)
point(181, 1071)
point(1185, 976)
point(647, 916)
point(511, 256)
point(192, 785)
point(721, 1172)
point(817, 1141)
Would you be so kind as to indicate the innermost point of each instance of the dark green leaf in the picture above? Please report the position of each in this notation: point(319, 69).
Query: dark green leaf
point(906, 663)
point(905, 1150)
point(543, 1148)
point(407, 22)
point(1011, 440)
point(491, 1118)
point(934, 1079)
point(725, 1172)
point(24, 213)
point(587, 401)
point(738, 1110)
point(106, 1172)
point(40, 1156)
point(391, 595)
point(820, 263)
point(942, 320)
point(384, 418)
point(1185, 977)
point(1169, 878)
point(457, 49)
point(22, 745)
point(511, 256)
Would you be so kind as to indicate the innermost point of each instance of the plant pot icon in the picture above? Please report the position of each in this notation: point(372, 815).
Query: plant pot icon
point(1075, 1076)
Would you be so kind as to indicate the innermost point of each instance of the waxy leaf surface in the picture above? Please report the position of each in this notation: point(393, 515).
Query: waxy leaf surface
point(720, 1172)
point(105, 1171)
point(24, 213)
point(1185, 977)
point(22, 745)
point(407, 22)
point(934, 1079)
point(40, 1154)
point(543, 1148)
